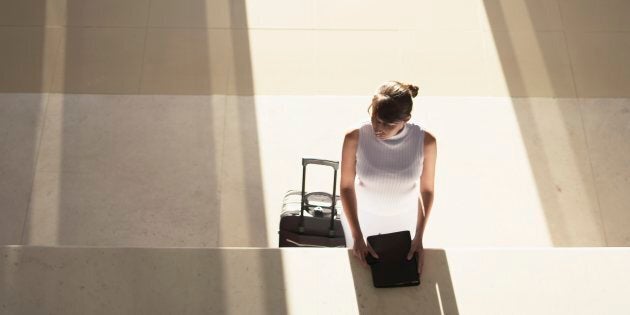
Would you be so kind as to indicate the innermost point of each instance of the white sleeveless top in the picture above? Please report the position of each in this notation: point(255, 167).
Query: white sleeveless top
point(388, 171)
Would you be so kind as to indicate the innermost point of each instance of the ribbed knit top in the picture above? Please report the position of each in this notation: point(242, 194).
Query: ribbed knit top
point(388, 171)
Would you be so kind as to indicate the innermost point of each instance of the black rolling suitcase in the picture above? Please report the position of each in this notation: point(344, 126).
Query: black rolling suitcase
point(316, 222)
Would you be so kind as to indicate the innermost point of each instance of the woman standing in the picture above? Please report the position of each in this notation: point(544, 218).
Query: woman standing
point(387, 173)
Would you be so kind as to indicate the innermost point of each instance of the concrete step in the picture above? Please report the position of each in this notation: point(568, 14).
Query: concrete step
point(97, 280)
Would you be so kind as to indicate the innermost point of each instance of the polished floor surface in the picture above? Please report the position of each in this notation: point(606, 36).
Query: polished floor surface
point(518, 48)
point(306, 281)
point(120, 170)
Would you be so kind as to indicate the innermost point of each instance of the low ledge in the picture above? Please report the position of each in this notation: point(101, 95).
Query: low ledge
point(97, 280)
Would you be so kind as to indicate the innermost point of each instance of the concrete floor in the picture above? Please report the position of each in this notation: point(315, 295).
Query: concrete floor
point(518, 48)
point(38, 280)
point(131, 123)
point(206, 171)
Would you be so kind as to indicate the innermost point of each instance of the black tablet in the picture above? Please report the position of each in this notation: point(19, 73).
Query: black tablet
point(392, 269)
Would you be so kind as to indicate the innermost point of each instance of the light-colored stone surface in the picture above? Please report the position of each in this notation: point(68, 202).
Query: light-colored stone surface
point(21, 118)
point(111, 13)
point(363, 60)
point(272, 62)
point(224, 14)
point(305, 47)
point(599, 63)
point(243, 218)
point(196, 13)
point(448, 15)
point(119, 170)
point(437, 61)
point(128, 170)
point(531, 64)
point(27, 58)
point(27, 12)
point(510, 172)
point(607, 128)
point(287, 129)
point(100, 60)
point(364, 15)
point(595, 15)
point(308, 281)
point(132, 281)
point(557, 151)
point(539, 281)
point(521, 15)
point(275, 14)
point(186, 61)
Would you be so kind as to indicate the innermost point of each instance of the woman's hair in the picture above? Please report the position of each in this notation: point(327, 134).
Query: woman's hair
point(393, 101)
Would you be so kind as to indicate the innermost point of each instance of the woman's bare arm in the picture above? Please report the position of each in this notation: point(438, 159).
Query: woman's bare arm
point(349, 197)
point(427, 180)
point(348, 173)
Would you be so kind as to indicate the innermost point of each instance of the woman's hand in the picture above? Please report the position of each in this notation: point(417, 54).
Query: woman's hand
point(416, 247)
point(360, 250)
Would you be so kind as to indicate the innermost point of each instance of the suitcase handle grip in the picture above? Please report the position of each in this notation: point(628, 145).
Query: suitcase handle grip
point(333, 210)
point(333, 164)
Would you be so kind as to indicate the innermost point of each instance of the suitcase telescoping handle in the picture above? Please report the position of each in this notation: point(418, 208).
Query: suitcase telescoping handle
point(333, 210)
point(333, 164)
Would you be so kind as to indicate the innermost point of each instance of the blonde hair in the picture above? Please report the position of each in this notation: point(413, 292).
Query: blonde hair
point(393, 101)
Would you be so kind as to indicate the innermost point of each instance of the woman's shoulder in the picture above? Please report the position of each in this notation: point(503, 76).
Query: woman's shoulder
point(416, 129)
point(429, 138)
point(426, 136)
point(352, 135)
point(356, 129)
point(351, 141)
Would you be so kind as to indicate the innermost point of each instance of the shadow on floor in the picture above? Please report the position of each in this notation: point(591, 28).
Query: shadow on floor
point(125, 161)
point(83, 280)
point(435, 295)
point(535, 63)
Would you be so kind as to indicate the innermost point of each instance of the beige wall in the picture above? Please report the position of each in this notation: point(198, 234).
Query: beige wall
point(556, 48)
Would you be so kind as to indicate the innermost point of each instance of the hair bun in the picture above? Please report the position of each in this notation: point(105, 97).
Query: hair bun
point(413, 90)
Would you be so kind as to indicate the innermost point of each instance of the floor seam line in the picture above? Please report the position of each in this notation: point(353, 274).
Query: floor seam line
point(590, 163)
point(221, 177)
point(588, 148)
point(144, 48)
point(34, 169)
